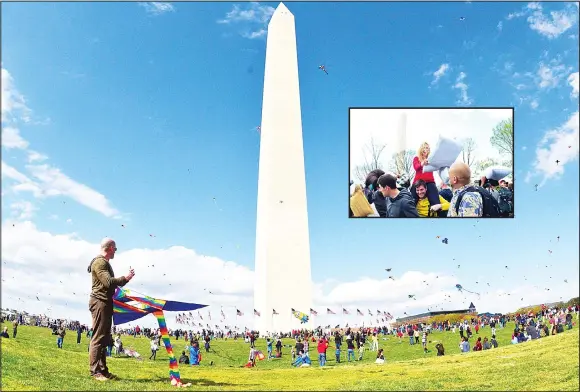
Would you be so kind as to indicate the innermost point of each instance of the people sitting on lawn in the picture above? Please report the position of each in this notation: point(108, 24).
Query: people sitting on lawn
point(194, 354)
point(302, 360)
point(183, 359)
point(464, 345)
point(380, 357)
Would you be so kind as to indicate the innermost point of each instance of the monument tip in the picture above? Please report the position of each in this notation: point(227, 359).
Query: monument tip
point(281, 7)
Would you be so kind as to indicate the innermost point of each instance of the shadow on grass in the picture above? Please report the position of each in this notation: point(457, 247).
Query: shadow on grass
point(198, 382)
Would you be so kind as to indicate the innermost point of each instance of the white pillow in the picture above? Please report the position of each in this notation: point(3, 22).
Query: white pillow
point(444, 174)
point(444, 154)
point(375, 213)
point(496, 172)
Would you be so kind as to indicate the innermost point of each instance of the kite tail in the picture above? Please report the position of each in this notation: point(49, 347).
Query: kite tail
point(173, 367)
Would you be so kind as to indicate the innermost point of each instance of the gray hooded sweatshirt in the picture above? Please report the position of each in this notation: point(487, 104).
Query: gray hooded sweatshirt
point(402, 206)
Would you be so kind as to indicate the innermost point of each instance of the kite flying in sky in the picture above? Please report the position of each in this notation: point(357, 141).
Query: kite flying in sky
point(461, 289)
point(300, 316)
point(129, 306)
point(322, 68)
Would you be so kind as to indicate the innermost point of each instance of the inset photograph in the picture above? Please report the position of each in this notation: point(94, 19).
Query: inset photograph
point(431, 162)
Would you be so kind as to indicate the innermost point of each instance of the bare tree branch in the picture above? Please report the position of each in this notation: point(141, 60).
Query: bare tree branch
point(402, 163)
point(372, 157)
point(469, 152)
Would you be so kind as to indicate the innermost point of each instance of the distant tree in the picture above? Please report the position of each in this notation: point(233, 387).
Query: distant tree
point(372, 160)
point(485, 163)
point(469, 152)
point(503, 137)
point(402, 163)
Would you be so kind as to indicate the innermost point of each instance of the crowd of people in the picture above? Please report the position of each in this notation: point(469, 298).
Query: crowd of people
point(347, 344)
point(390, 195)
point(105, 339)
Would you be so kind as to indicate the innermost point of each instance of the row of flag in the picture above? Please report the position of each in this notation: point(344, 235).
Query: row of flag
point(329, 311)
point(379, 313)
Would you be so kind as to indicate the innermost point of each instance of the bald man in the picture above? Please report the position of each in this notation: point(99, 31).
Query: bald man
point(101, 307)
point(471, 203)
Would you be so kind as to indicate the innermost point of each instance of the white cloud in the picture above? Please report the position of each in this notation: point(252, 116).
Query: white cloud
point(464, 99)
point(11, 139)
point(34, 156)
point(250, 14)
point(157, 8)
point(13, 103)
point(524, 148)
point(555, 24)
point(573, 81)
point(550, 25)
point(534, 104)
point(49, 181)
point(550, 76)
point(255, 34)
point(500, 26)
point(69, 220)
point(422, 125)
point(560, 144)
point(439, 73)
point(23, 210)
point(57, 183)
point(27, 249)
point(24, 183)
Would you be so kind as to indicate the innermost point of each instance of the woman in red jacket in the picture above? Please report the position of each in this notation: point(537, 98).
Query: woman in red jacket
point(419, 162)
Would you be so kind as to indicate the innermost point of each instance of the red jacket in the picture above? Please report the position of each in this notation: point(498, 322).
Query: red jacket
point(322, 346)
point(427, 177)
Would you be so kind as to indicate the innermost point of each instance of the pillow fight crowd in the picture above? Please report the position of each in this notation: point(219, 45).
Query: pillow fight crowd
point(388, 195)
point(549, 321)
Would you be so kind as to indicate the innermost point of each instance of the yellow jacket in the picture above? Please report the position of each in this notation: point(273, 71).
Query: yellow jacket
point(423, 207)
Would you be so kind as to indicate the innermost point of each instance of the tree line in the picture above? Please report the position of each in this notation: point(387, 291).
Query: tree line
point(401, 163)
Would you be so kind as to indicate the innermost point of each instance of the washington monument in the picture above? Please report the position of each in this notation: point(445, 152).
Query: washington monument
point(283, 276)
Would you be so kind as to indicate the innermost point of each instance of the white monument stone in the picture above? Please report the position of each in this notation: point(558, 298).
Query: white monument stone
point(402, 134)
point(282, 271)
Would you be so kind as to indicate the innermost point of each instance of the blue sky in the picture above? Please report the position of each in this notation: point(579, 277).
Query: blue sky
point(157, 113)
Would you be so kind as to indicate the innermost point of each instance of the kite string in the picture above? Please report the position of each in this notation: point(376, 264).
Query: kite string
point(173, 367)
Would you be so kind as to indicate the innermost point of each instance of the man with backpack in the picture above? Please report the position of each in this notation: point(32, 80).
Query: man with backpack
point(505, 199)
point(468, 200)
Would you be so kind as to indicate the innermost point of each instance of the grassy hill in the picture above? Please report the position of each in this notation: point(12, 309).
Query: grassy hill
point(33, 362)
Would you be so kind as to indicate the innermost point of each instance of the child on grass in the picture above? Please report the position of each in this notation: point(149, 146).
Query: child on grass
point(337, 353)
point(380, 357)
point(269, 345)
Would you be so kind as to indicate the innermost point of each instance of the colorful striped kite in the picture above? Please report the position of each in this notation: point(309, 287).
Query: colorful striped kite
point(129, 306)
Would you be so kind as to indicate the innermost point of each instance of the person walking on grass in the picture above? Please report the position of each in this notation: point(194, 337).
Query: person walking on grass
point(79, 333)
point(269, 345)
point(104, 285)
point(61, 332)
point(322, 346)
point(154, 348)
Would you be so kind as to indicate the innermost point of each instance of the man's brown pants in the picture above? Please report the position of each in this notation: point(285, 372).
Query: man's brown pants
point(102, 313)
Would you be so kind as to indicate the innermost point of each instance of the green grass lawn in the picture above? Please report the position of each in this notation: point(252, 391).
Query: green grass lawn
point(33, 362)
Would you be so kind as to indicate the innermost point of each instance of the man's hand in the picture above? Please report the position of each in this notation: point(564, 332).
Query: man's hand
point(131, 274)
point(436, 207)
